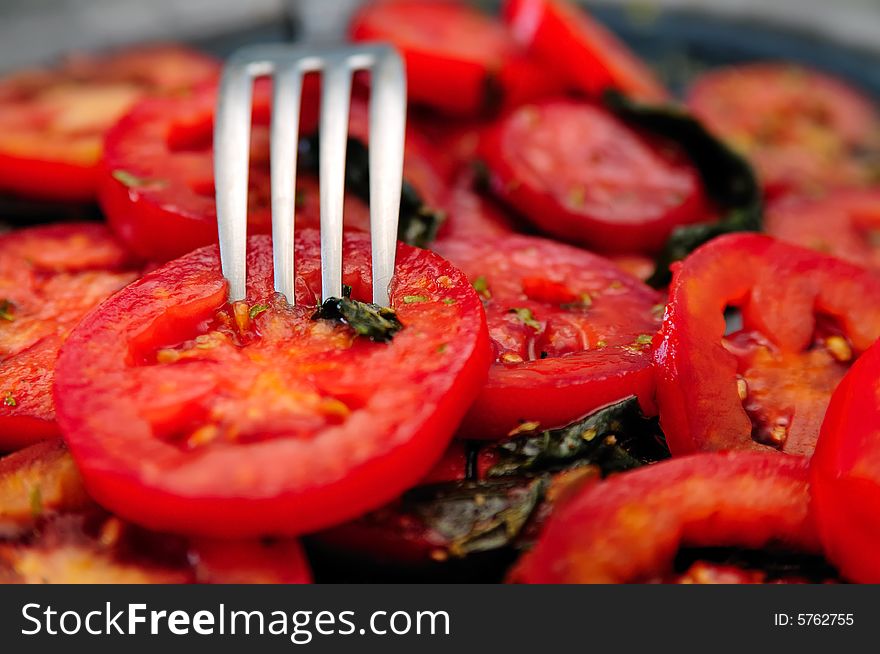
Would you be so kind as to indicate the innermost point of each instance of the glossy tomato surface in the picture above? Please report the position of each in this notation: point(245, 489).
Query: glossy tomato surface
point(53, 121)
point(806, 317)
point(50, 277)
point(630, 527)
point(570, 332)
point(801, 128)
point(565, 37)
point(581, 175)
point(846, 472)
point(260, 419)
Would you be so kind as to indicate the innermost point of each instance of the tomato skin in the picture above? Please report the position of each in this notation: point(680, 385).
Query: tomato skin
point(50, 276)
point(630, 526)
point(845, 474)
point(54, 120)
point(249, 562)
point(781, 289)
point(591, 57)
point(841, 224)
point(593, 353)
point(389, 438)
point(800, 127)
point(579, 174)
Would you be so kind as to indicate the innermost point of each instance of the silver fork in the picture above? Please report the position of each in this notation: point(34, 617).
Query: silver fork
point(287, 64)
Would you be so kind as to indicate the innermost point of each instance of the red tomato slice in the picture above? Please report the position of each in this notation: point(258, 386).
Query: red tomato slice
point(845, 472)
point(457, 58)
point(844, 223)
point(571, 332)
point(591, 58)
point(52, 122)
point(806, 316)
point(49, 278)
point(250, 421)
point(157, 174)
point(249, 562)
point(800, 127)
point(630, 527)
point(469, 214)
point(579, 174)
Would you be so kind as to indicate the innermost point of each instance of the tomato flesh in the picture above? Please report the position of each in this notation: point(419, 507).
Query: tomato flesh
point(844, 224)
point(799, 127)
point(806, 317)
point(53, 121)
point(630, 527)
point(265, 421)
point(591, 58)
point(157, 175)
point(50, 277)
point(845, 472)
point(577, 173)
point(570, 332)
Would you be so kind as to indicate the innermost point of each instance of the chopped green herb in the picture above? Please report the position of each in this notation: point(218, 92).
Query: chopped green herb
point(36, 501)
point(527, 318)
point(257, 309)
point(601, 343)
point(481, 286)
point(442, 348)
point(449, 300)
point(414, 299)
point(658, 310)
point(585, 301)
point(9, 400)
point(7, 309)
point(644, 339)
point(133, 181)
point(379, 324)
point(525, 427)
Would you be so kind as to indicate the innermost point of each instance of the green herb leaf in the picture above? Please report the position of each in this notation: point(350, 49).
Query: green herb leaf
point(257, 309)
point(133, 181)
point(414, 299)
point(418, 223)
point(9, 400)
point(36, 501)
point(728, 178)
point(527, 318)
point(7, 310)
point(615, 438)
point(481, 286)
point(379, 324)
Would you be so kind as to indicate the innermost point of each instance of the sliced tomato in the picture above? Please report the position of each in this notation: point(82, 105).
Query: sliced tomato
point(638, 266)
point(629, 527)
point(53, 121)
point(578, 173)
point(470, 214)
point(157, 174)
point(457, 58)
point(806, 317)
point(590, 57)
point(846, 472)
point(258, 419)
point(49, 278)
point(571, 332)
point(845, 224)
point(801, 128)
point(249, 562)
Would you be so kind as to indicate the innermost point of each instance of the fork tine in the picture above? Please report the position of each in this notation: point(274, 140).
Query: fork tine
point(284, 131)
point(232, 136)
point(335, 98)
point(387, 135)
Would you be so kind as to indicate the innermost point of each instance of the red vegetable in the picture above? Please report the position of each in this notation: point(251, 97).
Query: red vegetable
point(50, 277)
point(591, 58)
point(630, 527)
point(806, 316)
point(258, 419)
point(458, 60)
point(571, 332)
point(53, 121)
point(801, 128)
point(846, 472)
point(844, 224)
point(579, 174)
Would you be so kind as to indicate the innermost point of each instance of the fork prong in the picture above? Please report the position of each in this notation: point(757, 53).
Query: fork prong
point(232, 135)
point(284, 132)
point(335, 98)
point(387, 135)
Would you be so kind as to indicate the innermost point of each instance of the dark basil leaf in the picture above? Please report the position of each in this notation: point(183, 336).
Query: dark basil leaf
point(615, 438)
point(377, 323)
point(418, 223)
point(728, 178)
